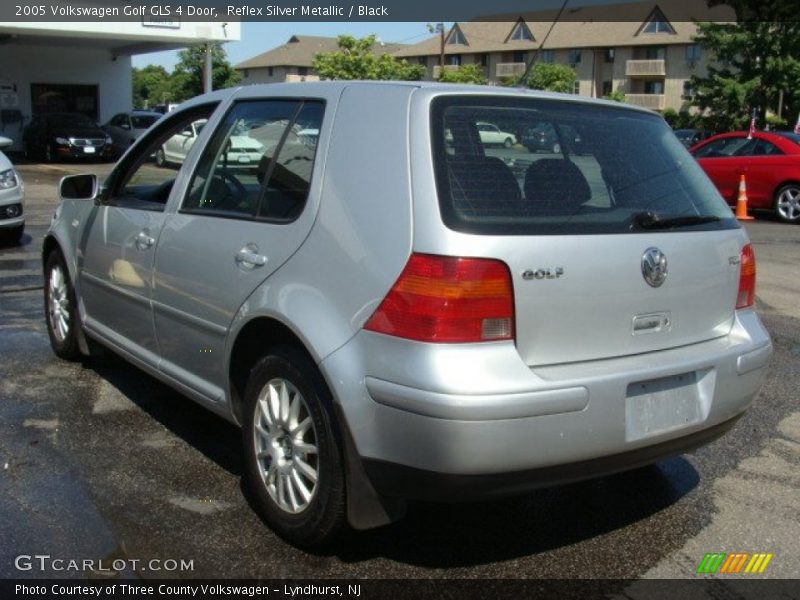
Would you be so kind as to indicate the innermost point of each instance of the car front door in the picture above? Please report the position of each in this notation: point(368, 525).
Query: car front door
point(117, 249)
point(237, 223)
point(722, 165)
point(763, 162)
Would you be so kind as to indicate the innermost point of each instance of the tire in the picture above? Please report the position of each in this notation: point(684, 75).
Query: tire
point(61, 309)
point(787, 203)
point(300, 492)
point(556, 148)
point(13, 236)
point(508, 143)
point(161, 159)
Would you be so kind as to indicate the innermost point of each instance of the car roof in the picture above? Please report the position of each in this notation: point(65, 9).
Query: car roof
point(783, 142)
point(335, 89)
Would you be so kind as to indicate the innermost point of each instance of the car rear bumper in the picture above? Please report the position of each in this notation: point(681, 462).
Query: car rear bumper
point(462, 413)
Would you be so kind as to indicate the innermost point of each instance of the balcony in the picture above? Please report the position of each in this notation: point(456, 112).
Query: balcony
point(509, 69)
point(437, 69)
point(646, 68)
point(651, 101)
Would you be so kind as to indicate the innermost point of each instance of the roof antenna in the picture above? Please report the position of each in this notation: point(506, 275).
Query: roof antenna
point(521, 82)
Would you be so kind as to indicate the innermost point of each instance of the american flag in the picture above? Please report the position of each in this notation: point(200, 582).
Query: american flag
point(752, 125)
point(797, 125)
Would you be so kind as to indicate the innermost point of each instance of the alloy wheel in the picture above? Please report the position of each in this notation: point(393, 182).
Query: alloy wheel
point(788, 203)
point(58, 304)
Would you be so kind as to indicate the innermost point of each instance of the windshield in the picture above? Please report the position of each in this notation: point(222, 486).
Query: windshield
point(594, 171)
point(142, 121)
point(70, 120)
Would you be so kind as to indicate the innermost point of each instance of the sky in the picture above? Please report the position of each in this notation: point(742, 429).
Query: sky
point(260, 37)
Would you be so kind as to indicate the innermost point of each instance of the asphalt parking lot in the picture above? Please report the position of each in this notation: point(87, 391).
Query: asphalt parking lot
point(98, 460)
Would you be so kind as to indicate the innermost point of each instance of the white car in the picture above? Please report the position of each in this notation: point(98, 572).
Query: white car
point(491, 135)
point(243, 150)
point(12, 190)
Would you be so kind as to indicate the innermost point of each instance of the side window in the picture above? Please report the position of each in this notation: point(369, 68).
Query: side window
point(765, 148)
point(722, 148)
point(259, 161)
point(118, 120)
point(144, 181)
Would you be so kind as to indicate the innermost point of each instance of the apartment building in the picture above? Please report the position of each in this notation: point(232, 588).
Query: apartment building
point(650, 56)
point(293, 60)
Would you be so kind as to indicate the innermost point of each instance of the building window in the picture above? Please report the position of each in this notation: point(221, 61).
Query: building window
point(547, 56)
point(457, 37)
point(657, 23)
point(270, 71)
point(246, 73)
point(454, 59)
point(655, 53)
point(302, 71)
point(484, 60)
point(688, 90)
point(574, 56)
point(521, 33)
point(519, 57)
point(576, 87)
point(610, 52)
point(653, 87)
point(693, 54)
point(423, 60)
point(608, 87)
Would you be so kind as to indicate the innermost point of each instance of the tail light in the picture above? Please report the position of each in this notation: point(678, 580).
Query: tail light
point(448, 299)
point(746, 296)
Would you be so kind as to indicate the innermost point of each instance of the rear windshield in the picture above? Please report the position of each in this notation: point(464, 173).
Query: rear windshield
point(520, 166)
point(143, 121)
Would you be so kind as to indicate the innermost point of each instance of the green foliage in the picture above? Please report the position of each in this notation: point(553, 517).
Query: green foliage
point(551, 77)
point(151, 85)
point(464, 74)
point(616, 96)
point(756, 58)
point(355, 59)
point(188, 75)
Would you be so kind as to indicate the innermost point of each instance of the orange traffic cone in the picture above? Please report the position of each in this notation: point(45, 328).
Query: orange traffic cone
point(741, 201)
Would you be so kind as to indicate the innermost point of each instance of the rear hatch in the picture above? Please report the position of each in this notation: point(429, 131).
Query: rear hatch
point(618, 244)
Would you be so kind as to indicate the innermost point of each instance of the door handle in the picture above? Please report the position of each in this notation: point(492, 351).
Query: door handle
point(249, 258)
point(144, 241)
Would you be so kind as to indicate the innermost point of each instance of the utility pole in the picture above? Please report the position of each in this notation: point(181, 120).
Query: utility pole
point(439, 28)
point(207, 69)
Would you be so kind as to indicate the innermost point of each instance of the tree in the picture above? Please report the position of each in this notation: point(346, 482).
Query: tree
point(356, 59)
point(552, 77)
point(188, 74)
point(464, 74)
point(151, 85)
point(616, 96)
point(754, 60)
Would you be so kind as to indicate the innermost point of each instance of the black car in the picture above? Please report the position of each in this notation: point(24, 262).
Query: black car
point(544, 138)
point(57, 136)
point(690, 137)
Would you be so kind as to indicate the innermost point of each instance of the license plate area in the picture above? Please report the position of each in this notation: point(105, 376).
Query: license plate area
point(88, 149)
point(659, 405)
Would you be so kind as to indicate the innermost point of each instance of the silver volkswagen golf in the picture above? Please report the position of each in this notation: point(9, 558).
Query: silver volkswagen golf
point(393, 310)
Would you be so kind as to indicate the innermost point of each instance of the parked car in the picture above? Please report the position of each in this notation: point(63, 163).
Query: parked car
point(244, 149)
point(125, 128)
point(770, 163)
point(392, 316)
point(490, 134)
point(690, 137)
point(12, 192)
point(544, 138)
point(58, 136)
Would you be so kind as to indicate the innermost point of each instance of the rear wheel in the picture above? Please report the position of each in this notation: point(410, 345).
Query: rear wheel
point(61, 308)
point(787, 203)
point(293, 460)
point(556, 148)
point(161, 159)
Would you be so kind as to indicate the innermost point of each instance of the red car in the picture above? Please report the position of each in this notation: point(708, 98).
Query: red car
point(769, 161)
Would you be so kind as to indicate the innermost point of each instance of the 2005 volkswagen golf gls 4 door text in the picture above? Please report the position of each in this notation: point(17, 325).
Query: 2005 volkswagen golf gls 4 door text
point(393, 310)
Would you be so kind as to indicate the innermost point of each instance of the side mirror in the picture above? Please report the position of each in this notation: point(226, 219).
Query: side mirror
point(5, 142)
point(78, 187)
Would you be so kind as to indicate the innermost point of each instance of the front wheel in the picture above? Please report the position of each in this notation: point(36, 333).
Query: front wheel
point(61, 308)
point(161, 158)
point(787, 203)
point(556, 148)
point(508, 143)
point(293, 460)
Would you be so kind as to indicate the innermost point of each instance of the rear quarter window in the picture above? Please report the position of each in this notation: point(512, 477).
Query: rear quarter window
point(575, 169)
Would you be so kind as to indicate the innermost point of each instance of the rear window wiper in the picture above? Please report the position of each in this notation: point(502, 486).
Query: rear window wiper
point(650, 220)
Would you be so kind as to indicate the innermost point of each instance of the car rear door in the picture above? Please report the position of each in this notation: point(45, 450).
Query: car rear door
point(238, 222)
point(763, 164)
point(723, 166)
